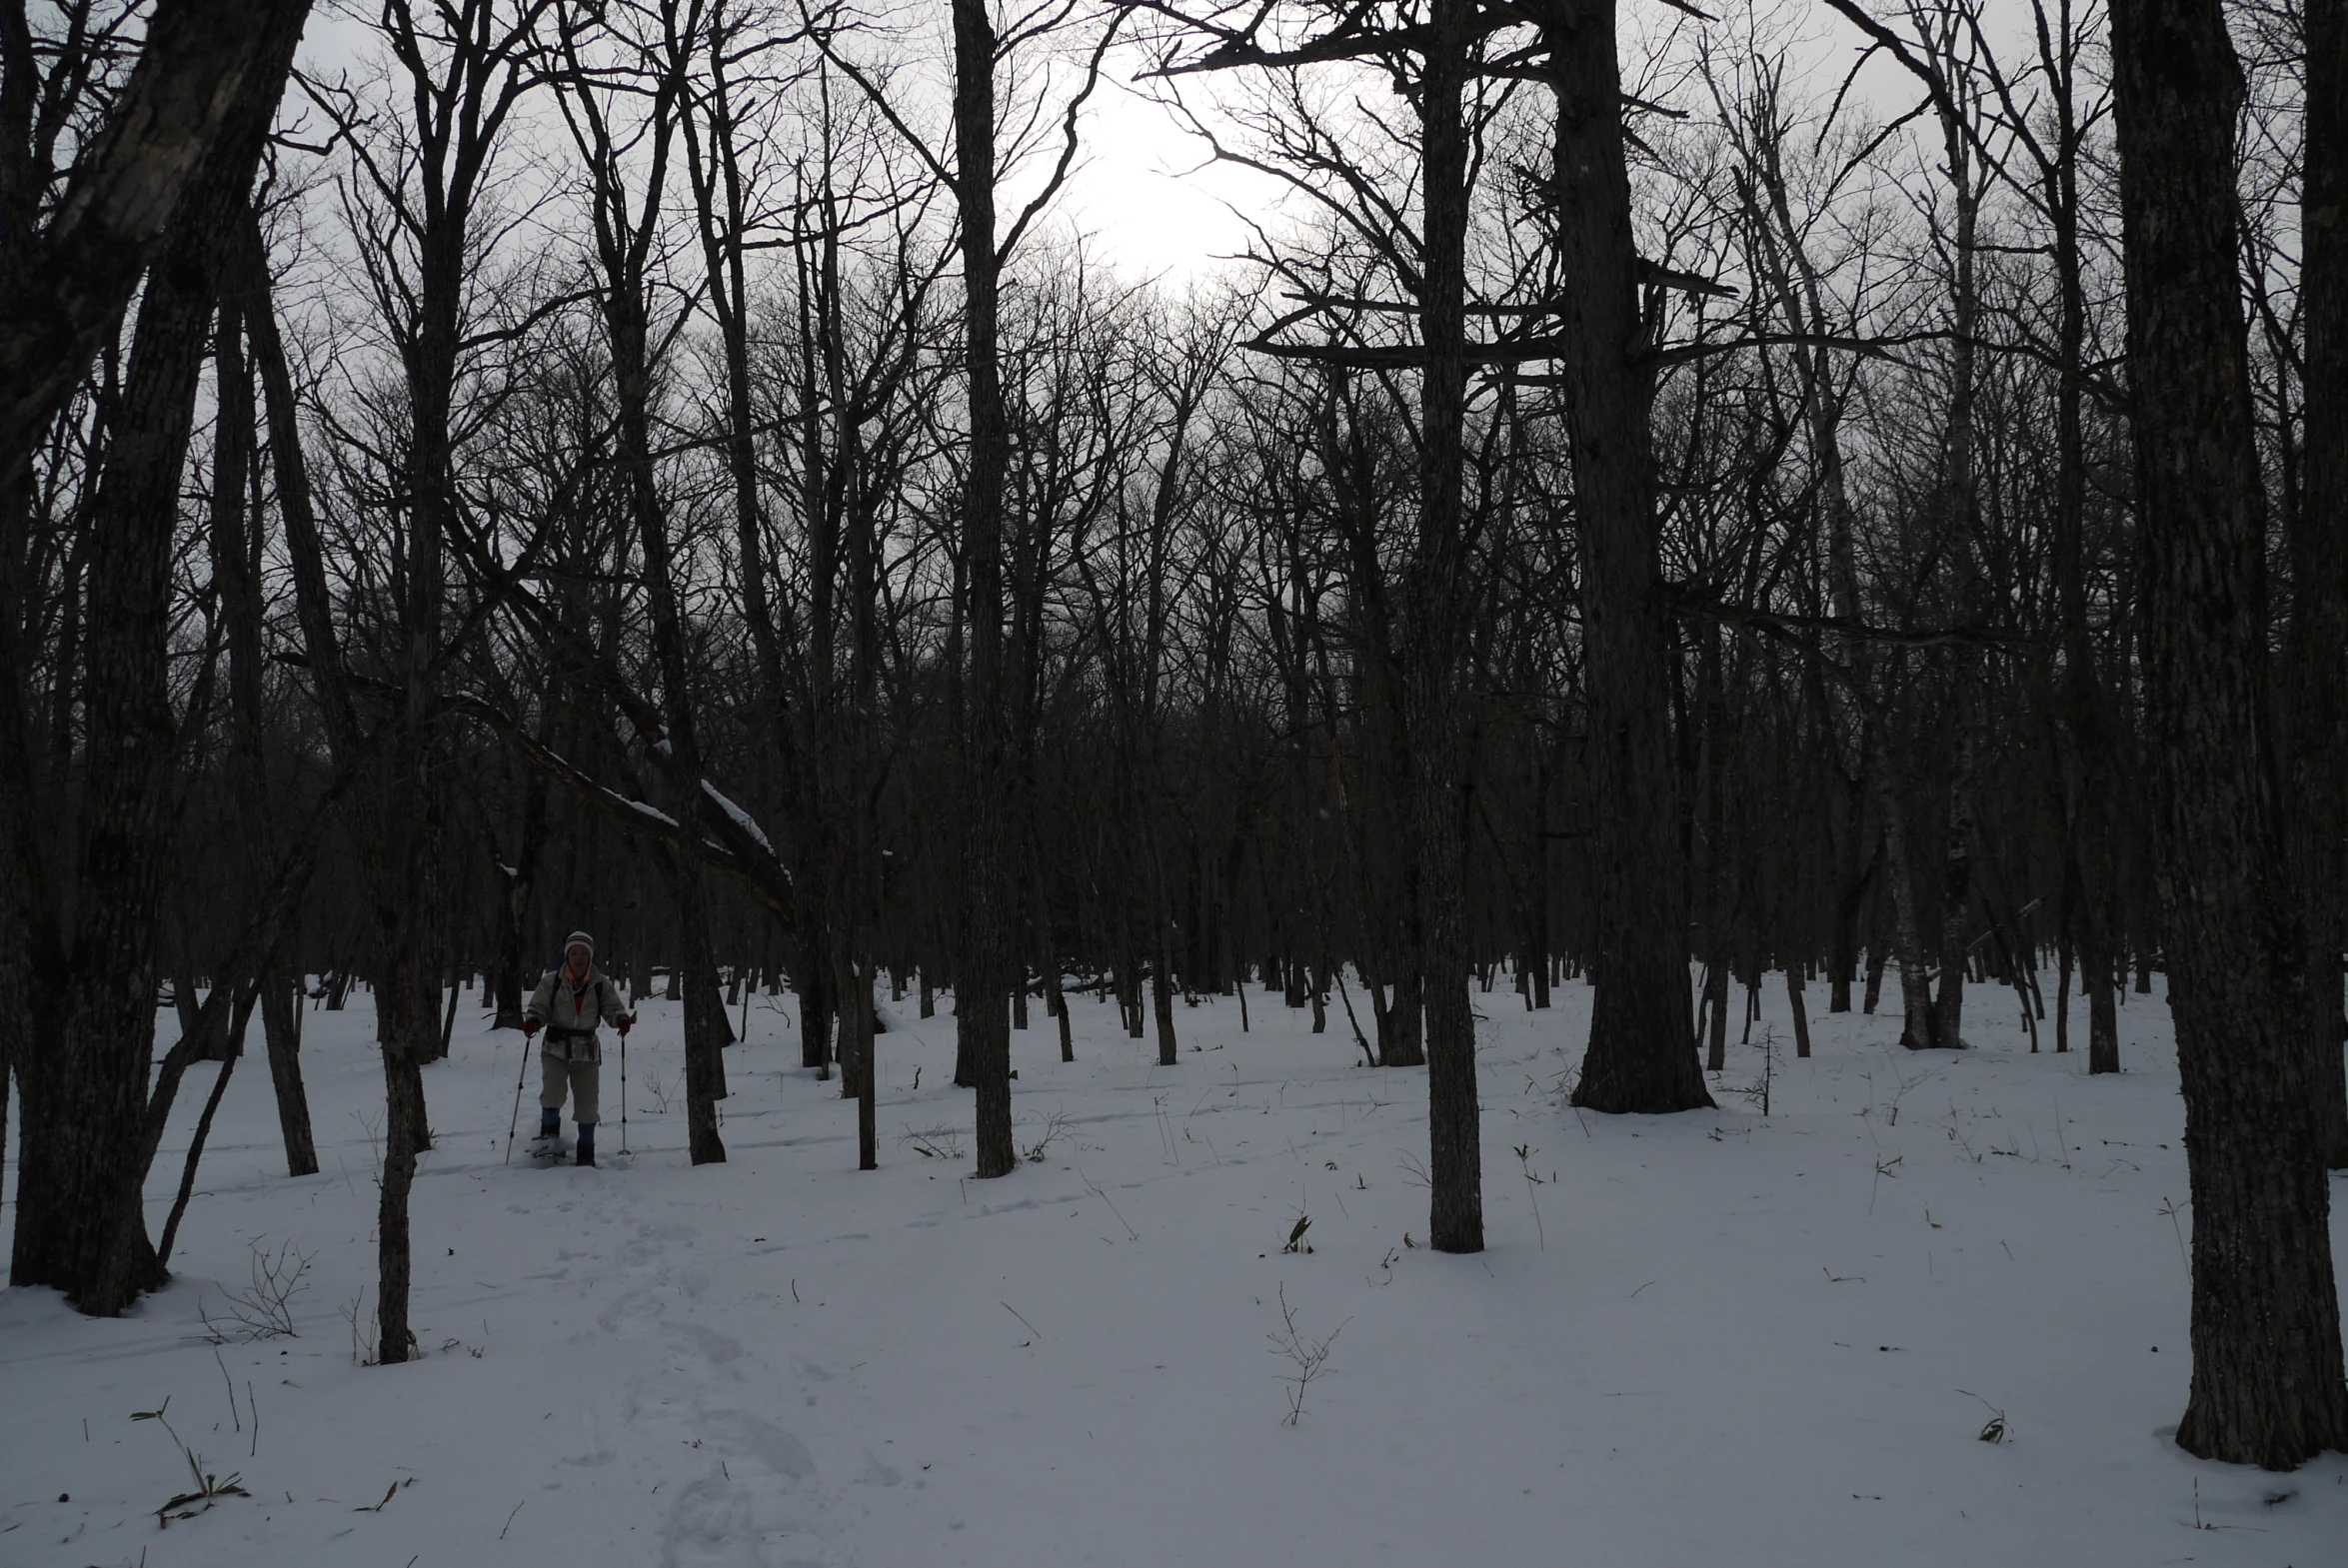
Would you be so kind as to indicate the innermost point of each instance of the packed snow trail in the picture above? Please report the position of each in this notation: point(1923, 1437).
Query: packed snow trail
point(1723, 1336)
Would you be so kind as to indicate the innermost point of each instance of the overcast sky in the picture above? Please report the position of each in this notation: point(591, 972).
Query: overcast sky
point(1141, 197)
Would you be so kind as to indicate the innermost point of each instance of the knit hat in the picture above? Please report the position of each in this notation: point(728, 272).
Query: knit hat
point(579, 939)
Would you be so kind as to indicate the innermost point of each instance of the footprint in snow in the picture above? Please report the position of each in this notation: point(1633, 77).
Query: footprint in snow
point(711, 1346)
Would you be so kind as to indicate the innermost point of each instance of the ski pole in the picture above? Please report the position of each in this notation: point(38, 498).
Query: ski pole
point(514, 1124)
point(623, 1090)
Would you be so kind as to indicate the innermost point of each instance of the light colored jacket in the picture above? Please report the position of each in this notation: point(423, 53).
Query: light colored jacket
point(571, 1014)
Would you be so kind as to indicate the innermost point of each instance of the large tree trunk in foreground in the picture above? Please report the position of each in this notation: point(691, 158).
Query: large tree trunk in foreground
point(1641, 1055)
point(2318, 644)
point(82, 1227)
point(2267, 1376)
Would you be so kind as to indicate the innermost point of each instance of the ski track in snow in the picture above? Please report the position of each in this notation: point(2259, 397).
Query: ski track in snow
point(1726, 1338)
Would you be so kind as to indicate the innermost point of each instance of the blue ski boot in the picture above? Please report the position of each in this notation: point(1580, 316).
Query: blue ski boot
point(547, 1148)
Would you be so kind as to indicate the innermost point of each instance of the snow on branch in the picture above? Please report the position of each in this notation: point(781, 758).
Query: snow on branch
point(741, 819)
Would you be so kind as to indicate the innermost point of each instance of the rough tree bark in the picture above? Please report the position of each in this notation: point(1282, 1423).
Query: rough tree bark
point(2267, 1375)
point(1641, 1055)
point(2318, 644)
point(63, 292)
point(983, 971)
point(1435, 649)
point(80, 1224)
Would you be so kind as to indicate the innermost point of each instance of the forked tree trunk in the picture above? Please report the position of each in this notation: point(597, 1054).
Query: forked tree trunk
point(2267, 1372)
point(84, 1079)
point(246, 997)
point(237, 555)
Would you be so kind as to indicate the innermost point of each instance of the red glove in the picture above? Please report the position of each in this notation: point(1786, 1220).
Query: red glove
point(626, 1022)
point(529, 1028)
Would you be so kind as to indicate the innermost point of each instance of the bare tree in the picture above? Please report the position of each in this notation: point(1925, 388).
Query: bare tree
point(2316, 655)
point(2268, 1387)
point(87, 1107)
point(415, 193)
point(1641, 1055)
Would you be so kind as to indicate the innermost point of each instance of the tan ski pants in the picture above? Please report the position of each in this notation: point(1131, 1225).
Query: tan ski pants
point(584, 1079)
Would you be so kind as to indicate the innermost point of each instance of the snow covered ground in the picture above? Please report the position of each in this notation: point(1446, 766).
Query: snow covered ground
point(1722, 1337)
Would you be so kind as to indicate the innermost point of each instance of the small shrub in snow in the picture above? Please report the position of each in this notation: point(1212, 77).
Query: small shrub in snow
point(1308, 1355)
point(939, 1142)
point(265, 1309)
point(1055, 1128)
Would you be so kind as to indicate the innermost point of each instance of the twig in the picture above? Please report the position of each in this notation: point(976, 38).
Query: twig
point(1308, 1354)
point(232, 1391)
point(1524, 1154)
point(1992, 1430)
point(1112, 1208)
point(2168, 1206)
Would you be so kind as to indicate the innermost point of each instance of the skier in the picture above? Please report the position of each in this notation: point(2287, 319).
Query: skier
point(571, 1001)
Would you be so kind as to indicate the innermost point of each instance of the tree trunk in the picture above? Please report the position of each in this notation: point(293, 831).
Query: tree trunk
point(1161, 917)
point(1715, 1012)
point(981, 974)
point(236, 555)
point(2318, 644)
point(281, 1029)
point(246, 996)
point(1801, 1010)
point(1916, 982)
point(1641, 1055)
point(1437, 654)
point(1959, 524)
point(1956, 879)
point(82, 1227)
point(2267, 1374)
